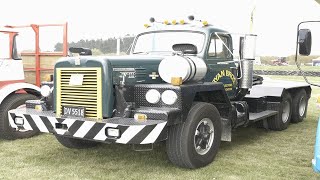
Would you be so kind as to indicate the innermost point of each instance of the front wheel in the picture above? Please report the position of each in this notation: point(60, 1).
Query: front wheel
point(195, 142)
point(14, 101)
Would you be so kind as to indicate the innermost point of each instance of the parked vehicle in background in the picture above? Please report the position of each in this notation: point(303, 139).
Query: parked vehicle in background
point(21, 75)
point(316, 62)
point(14, 92)
point(281, 61)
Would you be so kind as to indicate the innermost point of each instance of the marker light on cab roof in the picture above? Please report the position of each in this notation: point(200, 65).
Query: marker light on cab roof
point(146, 25)
point(166, 22)
point(174, 22)
point(182, 21)
point(205, 23)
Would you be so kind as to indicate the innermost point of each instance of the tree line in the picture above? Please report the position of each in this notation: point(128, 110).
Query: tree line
point(100, 46)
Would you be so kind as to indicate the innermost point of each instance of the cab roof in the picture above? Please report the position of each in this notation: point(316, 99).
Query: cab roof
point(208, 29)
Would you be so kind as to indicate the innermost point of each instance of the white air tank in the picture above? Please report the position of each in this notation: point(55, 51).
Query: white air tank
point(189, 68)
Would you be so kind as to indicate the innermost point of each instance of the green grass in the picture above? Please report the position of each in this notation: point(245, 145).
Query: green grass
point(252, 154)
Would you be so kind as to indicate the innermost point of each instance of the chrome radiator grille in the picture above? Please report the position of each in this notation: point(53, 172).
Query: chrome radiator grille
point(87, 94)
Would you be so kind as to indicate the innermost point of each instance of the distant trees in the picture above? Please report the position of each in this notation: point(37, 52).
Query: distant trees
point(100, 46)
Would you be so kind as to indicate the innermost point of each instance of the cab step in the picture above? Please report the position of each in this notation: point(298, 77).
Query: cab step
point(254, 117)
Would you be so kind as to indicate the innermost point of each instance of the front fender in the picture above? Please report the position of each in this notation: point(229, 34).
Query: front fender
point(11, 88)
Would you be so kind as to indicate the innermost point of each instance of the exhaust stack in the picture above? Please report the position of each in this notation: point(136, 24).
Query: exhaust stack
point(247, 56)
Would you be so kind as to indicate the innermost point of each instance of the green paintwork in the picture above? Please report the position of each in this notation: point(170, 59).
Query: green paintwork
point(143, 67)
point(215, 65)
point(138, 68)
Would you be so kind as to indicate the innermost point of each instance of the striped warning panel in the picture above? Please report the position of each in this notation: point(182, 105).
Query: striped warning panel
point(91, 130)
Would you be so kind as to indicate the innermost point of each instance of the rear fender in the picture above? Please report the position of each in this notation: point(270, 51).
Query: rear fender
point(275, 88)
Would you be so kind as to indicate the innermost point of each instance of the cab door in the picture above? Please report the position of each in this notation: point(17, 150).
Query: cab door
point(221, 67)
point(11, 68)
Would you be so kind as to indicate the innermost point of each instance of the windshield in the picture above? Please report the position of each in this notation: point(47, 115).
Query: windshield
point(164, 40)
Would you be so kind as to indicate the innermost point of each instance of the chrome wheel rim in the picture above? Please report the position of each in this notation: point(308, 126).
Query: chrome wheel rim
point(302, 106)
point(285, 111)
point(204, 136)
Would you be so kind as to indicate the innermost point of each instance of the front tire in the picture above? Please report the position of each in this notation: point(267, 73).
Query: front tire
point(299, 106)
point(75, 143)
point(195, 142)
point(13, 102)
point(282, 120)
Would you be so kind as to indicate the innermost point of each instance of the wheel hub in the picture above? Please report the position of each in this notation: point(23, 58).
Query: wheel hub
point(285, 111)
point(204, 136)
point(302, 106)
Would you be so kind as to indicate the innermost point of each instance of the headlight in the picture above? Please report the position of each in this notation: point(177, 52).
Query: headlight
point(153, 96)
point(169, 97)
point(45, 91)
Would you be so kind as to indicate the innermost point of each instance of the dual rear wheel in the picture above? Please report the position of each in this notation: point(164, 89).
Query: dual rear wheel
point(293, 109)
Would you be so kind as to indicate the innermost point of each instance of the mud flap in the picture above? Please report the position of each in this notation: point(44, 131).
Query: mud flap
point(226, 130)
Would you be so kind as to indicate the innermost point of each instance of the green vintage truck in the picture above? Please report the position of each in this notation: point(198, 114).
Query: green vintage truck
point(181, 83)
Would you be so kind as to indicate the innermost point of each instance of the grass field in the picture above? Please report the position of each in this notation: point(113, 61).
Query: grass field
point(252, 154)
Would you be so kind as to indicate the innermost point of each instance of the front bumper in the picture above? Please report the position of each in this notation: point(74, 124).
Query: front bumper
point(131, 131)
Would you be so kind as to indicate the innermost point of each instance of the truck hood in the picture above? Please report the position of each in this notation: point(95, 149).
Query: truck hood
point(135, 69)
point(125, 70)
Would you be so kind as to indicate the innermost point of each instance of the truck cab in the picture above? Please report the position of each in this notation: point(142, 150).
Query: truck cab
point(209, 43)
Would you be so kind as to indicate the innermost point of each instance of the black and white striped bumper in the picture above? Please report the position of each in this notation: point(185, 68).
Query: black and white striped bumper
point(131, 131)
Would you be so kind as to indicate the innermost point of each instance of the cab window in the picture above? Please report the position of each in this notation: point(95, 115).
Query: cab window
point(217, 48)
point(4, 46)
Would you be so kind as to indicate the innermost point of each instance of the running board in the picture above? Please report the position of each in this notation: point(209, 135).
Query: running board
point(261, 115)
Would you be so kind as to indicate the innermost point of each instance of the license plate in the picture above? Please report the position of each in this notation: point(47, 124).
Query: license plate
point(73, 111)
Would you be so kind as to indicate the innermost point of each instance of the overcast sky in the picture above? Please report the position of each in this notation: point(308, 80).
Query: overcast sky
point(275, 21)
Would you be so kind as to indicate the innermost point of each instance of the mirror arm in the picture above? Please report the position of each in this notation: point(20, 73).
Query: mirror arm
point(296, 57)
point(224, 44)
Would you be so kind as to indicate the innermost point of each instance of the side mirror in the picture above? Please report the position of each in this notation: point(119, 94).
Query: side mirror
point(305, 41)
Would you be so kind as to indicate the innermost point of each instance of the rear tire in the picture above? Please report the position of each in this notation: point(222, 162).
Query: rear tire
point(75, 143)
point(299, 106)
point(12, 102)
point(195, 142)
point(282, 120)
